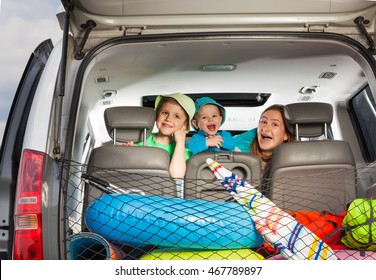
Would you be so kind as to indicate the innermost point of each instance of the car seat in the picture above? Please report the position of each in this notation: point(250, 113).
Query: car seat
point(129, 169)
point(313, 175)
point(201, 183)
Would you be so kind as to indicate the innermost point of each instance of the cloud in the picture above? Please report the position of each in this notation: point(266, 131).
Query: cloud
point(17, 48)
point(22, 31)
point(23, 25)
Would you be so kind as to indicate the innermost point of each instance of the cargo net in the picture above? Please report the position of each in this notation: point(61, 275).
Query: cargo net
point(111, 214)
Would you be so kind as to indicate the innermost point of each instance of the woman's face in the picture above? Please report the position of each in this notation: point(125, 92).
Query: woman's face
point(271, 130)
point(170, 118)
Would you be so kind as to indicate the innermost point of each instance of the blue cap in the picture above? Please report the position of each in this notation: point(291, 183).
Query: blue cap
point(207, 100)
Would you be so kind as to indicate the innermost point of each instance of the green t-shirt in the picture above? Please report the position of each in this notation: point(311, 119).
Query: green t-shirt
point(170, 148)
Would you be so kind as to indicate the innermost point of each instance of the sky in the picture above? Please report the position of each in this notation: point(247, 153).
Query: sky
point(23, 25)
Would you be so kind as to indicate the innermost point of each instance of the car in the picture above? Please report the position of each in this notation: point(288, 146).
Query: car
point(61, 162)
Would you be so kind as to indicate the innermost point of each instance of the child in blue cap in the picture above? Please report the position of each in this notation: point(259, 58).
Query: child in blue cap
point(208, 118)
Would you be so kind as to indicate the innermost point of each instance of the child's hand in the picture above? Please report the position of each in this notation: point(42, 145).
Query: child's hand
point(179, 136)
point(214, 141)
point(129, 144)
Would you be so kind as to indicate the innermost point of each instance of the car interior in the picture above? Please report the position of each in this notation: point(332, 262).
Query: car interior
point(325, 81)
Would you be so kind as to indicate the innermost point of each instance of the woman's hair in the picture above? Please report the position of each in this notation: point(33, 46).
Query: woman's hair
point(255, 147)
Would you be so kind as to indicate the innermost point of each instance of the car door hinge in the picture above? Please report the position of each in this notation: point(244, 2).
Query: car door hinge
point(316, 28)
point(360, 23)
point(87, 28)
point(128, 31)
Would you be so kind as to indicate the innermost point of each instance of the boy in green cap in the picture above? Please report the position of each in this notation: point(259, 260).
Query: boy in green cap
point(208, 118)
point(174, 112)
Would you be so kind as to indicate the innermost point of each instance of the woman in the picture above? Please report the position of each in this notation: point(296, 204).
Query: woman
point(271, 132)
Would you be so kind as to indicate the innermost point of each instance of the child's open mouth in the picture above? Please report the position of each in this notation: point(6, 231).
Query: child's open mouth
point(211, 127)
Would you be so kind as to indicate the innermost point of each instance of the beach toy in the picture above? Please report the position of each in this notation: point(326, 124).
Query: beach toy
point(137, 220)
point(360, 225)
point(291, 239)
point(174, 254)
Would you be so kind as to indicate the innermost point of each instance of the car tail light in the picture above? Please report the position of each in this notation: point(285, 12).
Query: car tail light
point(28, 242)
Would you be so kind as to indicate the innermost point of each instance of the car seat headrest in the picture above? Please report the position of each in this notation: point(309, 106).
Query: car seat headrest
point(308, 119)
point(128, 123)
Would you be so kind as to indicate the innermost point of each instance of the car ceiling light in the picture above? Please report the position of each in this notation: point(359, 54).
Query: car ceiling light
point(218, 67)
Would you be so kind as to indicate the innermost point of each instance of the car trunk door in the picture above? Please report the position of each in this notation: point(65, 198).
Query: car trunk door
point(11, 148)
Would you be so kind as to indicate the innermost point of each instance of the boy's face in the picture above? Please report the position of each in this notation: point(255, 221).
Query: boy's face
point(170, 118)
point(208, 119)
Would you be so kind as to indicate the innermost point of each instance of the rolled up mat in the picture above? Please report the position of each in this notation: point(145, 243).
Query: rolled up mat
point(91, 246)
point(136, 220)
point(173, 254)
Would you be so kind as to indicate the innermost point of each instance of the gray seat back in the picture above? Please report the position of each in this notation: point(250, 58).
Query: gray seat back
point(135, 169)
point(201, 183)
point(313, 175)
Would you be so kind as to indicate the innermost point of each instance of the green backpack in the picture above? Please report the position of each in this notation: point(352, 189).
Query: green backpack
point(360, 225)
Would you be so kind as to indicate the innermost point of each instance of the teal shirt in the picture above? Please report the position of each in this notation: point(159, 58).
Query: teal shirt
point(244, 140)
point(170, 148)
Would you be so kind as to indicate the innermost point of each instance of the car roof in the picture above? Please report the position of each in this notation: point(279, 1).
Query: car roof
point(118, 18)
point(183, 7)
